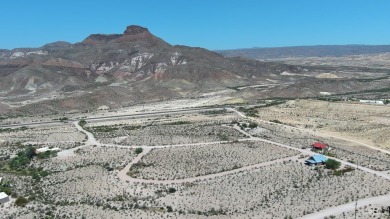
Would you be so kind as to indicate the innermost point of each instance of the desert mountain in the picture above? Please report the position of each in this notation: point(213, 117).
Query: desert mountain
point(135, 67)
point(121, 69)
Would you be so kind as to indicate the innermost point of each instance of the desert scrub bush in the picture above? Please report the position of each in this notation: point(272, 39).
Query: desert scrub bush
point(21, 201)
point(171, 190)
point(138, 150)
point(6, 188)
point(63, 119)
point(178, 123)
point(23, 128)
point(47, 154)
point(82, 123)
point(131, 127)
point(251, 112)
point(103, 128)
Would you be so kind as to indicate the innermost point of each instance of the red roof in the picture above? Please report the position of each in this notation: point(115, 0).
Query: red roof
point(319, 145)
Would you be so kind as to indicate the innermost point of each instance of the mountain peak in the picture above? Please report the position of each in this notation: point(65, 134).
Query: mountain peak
point(133, 33)
point(135, 29)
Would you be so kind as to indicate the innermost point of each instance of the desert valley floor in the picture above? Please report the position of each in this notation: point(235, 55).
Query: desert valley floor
point(197, 162)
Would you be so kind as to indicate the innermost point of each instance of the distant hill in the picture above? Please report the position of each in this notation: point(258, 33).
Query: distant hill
point(306, 51)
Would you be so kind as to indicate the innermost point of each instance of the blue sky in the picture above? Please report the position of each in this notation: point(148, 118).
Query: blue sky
point(212, 24)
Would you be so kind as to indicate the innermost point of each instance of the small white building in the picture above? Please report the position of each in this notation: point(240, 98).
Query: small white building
point(380, 102)
point(3, 198)
point(104, 107)
point(41, 150)
point(325, 93)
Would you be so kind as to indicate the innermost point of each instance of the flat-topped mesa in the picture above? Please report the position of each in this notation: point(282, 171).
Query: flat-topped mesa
point(131, 34)
point(135, 29)
point(138, 33)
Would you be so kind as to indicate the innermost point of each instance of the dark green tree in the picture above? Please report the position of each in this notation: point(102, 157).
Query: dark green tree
point(332, 164)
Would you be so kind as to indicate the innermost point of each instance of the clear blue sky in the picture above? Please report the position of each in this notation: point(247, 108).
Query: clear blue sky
point(212, 24)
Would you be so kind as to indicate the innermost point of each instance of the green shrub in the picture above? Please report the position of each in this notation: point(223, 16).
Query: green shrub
point(332, 164)
point(223, 137)
point(82, 123)
point(138, 150)
point(171, 190)
point(252, 125)
point(21, 201)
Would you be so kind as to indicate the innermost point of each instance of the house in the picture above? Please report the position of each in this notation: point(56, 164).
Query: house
point(317, 159)
point(3, 198)
point(318, 146)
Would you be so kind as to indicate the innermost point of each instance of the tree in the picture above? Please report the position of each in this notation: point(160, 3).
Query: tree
point(332, 164)
point(82, 123)
point(252, 125)
point(138, 150)
point(171, 190)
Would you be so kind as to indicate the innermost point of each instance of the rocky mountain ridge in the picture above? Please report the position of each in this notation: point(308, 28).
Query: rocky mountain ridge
point(134, 67)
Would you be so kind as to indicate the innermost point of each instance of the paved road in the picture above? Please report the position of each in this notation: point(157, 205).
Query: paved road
point(103, 118)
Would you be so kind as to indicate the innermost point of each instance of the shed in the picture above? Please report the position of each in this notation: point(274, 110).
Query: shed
point(318, 145)
point(3, 198)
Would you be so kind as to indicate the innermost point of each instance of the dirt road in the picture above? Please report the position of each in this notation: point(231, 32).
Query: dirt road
point(337, 210)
